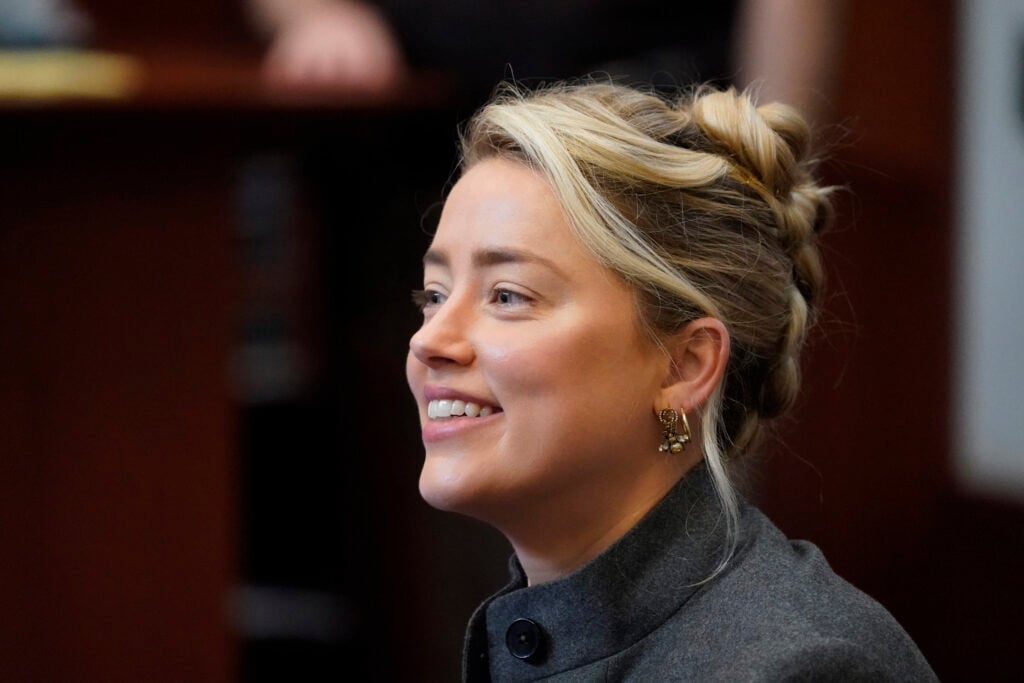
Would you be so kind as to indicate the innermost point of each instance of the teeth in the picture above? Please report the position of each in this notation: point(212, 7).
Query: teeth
point(444, 407)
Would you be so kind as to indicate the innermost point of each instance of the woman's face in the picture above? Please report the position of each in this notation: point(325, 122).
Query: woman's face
point(533, 379)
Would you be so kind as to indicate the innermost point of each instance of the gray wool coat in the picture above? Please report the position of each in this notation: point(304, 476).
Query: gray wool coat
point(642, 611)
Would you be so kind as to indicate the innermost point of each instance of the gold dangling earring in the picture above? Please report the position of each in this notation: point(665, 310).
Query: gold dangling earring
point(674, 441)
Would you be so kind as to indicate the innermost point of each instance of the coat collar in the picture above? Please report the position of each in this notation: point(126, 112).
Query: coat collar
point(611, 602)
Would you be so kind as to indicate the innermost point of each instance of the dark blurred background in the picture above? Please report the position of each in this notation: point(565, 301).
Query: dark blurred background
point(208, 458)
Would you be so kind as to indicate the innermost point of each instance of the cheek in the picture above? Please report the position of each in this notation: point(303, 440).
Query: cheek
point(524, 365)
point(574, 364)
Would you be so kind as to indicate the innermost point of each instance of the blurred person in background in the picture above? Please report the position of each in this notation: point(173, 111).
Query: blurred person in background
point(786, 46)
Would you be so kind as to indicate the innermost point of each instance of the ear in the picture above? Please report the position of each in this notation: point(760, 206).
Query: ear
point(699, 354)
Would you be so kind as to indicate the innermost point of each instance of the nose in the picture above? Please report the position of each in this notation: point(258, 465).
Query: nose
point(442, 340)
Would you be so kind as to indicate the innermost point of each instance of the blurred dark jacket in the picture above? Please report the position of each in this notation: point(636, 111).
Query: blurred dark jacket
point(643, 41)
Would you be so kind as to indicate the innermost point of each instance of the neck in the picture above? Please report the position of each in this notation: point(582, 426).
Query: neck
point(557, 537)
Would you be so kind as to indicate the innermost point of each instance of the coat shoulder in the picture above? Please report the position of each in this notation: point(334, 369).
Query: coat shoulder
point(777, 612)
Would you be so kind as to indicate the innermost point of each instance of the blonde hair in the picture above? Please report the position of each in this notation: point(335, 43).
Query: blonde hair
point(707, 206)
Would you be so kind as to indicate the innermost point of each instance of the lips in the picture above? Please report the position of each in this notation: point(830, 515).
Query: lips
point(451, 413)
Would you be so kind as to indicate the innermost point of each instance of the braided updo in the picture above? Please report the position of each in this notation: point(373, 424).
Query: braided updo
point(707, 206)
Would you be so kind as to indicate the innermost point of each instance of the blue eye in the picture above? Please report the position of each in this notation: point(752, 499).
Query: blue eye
point(506, 297)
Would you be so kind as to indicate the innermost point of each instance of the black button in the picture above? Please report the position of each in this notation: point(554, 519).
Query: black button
point(525, 640)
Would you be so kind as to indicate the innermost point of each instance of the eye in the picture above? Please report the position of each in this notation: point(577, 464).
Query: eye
point(427, 298)
point(507, 297)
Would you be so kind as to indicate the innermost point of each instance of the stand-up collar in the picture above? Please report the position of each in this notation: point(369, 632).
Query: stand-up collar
point(609, 603)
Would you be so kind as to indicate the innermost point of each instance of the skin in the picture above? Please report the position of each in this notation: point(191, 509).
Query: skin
point(521, 317)
point(787, 50)
point(330, 46)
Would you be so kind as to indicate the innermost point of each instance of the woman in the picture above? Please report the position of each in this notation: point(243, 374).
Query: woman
point(614, 304)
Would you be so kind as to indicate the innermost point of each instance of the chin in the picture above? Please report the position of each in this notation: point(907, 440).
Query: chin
point(444, 487)
point(448, 484)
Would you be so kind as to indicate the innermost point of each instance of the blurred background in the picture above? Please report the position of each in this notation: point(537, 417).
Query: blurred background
point(211, 215)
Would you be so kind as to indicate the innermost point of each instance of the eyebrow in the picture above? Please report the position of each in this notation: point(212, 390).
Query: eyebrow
point(493, 257)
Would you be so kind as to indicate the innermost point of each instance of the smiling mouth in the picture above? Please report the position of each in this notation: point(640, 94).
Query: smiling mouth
point(439, 409)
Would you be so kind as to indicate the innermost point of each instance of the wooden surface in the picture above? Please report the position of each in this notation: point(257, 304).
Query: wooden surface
point(118, 492)
point(122, 292)
point(202, 78)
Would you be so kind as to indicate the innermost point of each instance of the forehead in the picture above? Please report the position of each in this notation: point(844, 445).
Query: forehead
point(503, 203)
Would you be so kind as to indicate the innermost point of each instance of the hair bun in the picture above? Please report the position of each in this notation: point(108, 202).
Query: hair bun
point(767, 142)
point(769, 145)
